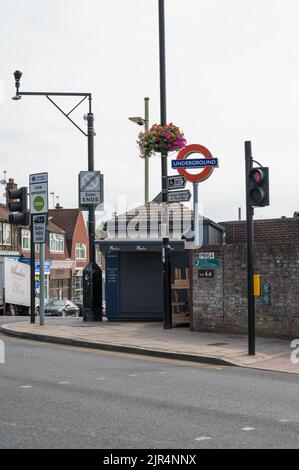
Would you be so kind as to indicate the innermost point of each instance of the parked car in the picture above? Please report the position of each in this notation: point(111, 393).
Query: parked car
point(62, 308)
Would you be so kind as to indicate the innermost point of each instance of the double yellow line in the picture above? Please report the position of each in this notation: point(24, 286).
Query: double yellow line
point(120, 355)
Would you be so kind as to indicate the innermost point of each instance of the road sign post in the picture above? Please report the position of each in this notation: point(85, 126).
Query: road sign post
point(32, 274)
point(196, 214)
point(91, 195)
point(38, 193)
point(166, 261)
point(206, 163)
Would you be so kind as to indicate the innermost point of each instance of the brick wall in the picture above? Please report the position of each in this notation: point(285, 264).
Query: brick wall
point(285, 230)
point(220, 303)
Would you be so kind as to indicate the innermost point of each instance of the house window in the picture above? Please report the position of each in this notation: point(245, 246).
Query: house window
point(6, 234)
point(78, 288)
point(56, 243)
point(25, 239)
point(80, 251)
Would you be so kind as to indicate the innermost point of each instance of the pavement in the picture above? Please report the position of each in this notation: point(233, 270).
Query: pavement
point(56, 396)
point(151, 340)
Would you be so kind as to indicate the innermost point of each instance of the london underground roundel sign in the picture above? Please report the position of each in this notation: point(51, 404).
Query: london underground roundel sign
point(206, 155)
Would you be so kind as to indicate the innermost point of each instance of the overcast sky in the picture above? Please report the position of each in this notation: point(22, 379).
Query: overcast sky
point(232, 75)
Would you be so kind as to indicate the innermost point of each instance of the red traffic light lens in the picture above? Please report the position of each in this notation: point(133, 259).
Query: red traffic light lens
point(257, 176)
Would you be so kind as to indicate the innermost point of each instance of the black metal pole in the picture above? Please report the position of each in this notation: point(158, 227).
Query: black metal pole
point(32, 274)
point(250, 254)
point(92, 275)
point(91, 211)
point(166, 265)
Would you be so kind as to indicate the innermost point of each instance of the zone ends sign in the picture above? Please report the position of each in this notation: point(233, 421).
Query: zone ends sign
point(91, 189)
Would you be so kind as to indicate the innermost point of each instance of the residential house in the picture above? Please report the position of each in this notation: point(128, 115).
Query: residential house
point(8, 233)
point(76, 244)
point(66, 250)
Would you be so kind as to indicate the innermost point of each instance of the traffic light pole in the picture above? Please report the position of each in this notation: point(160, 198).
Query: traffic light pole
point(32, 274)
point(250, 254)
point(166, 264)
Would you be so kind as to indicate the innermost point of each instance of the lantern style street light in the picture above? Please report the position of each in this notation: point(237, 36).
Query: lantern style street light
point(92, 275)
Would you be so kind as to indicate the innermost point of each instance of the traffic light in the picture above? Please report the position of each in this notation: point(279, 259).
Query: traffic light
point(18, 206)
point(258, 192)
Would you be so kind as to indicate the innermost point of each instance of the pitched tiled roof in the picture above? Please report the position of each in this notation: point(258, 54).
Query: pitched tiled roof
point(66, 219)
point(52, 227)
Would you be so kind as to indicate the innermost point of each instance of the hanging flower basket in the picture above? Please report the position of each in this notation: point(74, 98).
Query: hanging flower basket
point(161, 139)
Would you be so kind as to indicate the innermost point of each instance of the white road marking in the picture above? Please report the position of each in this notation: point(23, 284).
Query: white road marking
point(203, 438)
point(133, 375)
point(248, 429)
point(102, 378)
point(63, 383)
point(284, 421)
point(26, 386)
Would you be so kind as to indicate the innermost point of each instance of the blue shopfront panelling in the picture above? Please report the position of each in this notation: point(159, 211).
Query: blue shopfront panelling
point(112, 283)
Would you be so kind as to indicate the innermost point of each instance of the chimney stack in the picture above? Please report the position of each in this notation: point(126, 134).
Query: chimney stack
point(10, 185)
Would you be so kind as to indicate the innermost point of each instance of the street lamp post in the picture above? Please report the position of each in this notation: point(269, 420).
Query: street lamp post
point(92, 275)
point(144, 122)
point(166, 266)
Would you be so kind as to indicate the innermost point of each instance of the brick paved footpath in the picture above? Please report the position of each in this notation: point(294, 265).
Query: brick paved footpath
point(151, 339)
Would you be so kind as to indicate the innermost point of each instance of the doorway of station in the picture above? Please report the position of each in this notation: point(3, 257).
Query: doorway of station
point(133, 282)
point(141, 287)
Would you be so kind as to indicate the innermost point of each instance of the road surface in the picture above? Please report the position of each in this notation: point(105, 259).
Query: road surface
point(63, 397)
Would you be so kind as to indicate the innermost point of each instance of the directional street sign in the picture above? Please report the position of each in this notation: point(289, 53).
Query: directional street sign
point(38, 188)
point(176, 182)
point(179, 196)
point(195, 163)
point(91, 188)
point(207, 263)
point(39, 228)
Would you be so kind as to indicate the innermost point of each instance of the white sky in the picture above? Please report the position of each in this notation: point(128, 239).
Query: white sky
point(232, 75)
